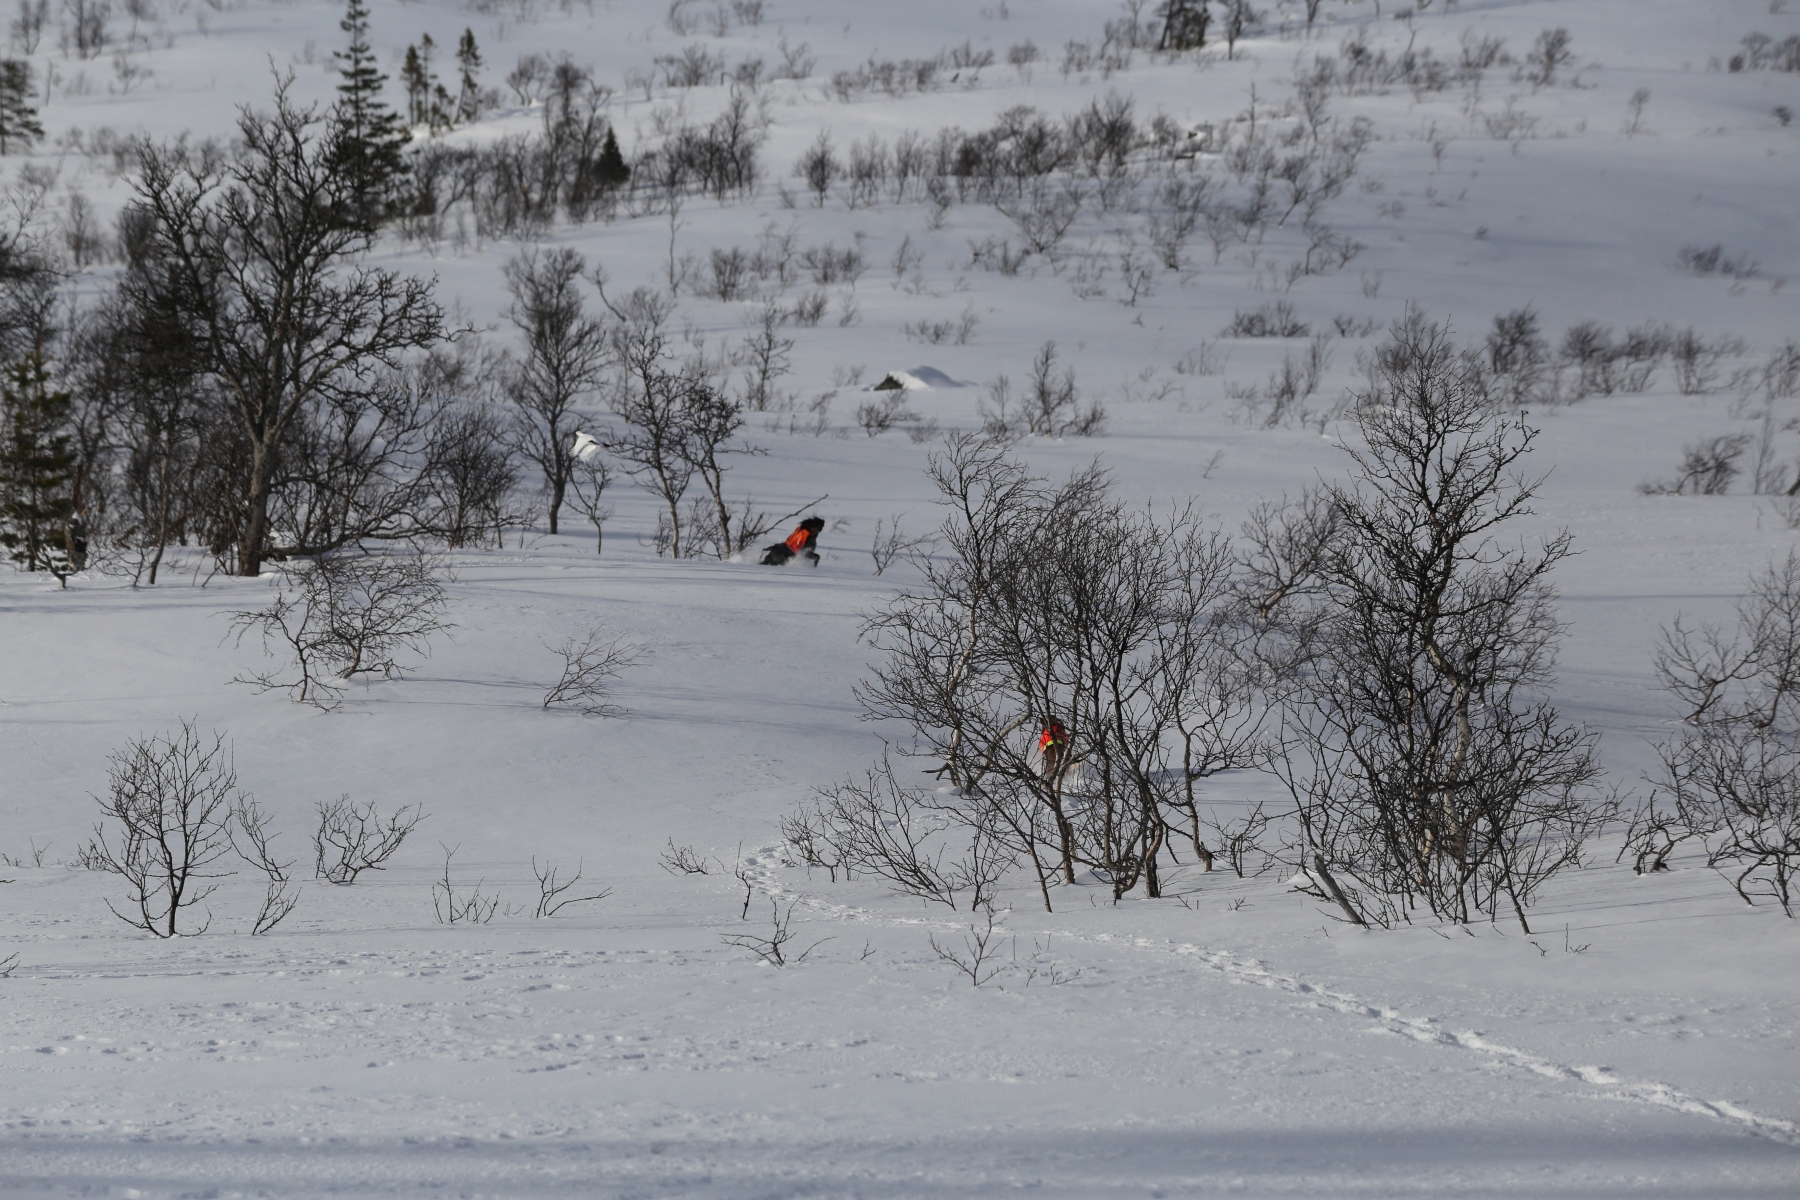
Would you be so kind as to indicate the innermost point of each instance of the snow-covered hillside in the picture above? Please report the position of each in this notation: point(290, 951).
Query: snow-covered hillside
point(1233, 1038)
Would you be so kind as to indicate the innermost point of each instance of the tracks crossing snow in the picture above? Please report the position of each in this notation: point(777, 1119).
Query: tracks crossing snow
point(1603, 1083)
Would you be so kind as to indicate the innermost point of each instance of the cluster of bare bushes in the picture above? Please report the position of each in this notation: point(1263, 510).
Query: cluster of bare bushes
point(1728, 777)
point(174, 818)
point(1079, 669)
point(174, 821)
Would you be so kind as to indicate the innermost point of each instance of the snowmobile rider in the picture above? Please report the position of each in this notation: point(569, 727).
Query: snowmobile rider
point(1053, 745)
point(800, 543)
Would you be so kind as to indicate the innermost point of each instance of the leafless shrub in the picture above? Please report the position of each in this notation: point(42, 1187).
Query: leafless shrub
point(1481, 51)
point(551, 889)
point(773, 949)
point(86, 241)
point(345, 615)
point(879, 826)
point(1652, 835)
point(1548, 55)
point(1275, 320)
point(805, 837)
point(997, 254)
point(1426, 768)
point(979, 958)
point(456, 907)
point(1738, 788)
point(1282, 557)
point(1779, 376)
point(1046, 600)
point(1043, 214)
point(730, 273)
point(1050, 405)
point(819, 167)
point(170, 800)
point(1750, 678)
point(1763, 53)
point(1282, 401)
point(1510, 124)
point(810, 308)
point(682, 860)
point(695, 66)
point(891, 543)
point(879, 415)
point(252, 824)
point(1518, 358)
point(1204, 359)
point(1697, 361)
point(29, 27)
point(1707, 467)
point(1237, 840)
point(1715, 260)
point(589, 477)
point(470, 473)
point(590, 667)
point(936, 333)
point(353, 838)
point(1348, 325)
point(35, 856)
point(527, 78)
point(1734, 775)
point(830, 265)
point(1588, 347)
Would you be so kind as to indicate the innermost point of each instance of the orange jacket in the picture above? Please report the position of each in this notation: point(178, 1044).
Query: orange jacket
point(800, 540)
point(1056, 735)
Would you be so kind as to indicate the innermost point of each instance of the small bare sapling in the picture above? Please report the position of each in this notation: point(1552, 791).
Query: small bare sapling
point(892, 543)
point(773, 949)
point(552, 888)
point(251, 839)
point(589, 668)
point(344, 616)
point(454, 907)
point(167, 812)
point(352, 838)
point(682, 860)
point(979, 957)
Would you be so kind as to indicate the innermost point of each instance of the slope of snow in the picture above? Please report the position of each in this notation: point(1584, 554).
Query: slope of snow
point(1234, 1041)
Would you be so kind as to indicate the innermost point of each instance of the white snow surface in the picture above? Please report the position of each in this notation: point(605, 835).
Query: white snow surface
point(1232, 1040)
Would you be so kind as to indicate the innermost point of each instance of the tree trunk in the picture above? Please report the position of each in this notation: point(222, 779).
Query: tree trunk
point(256, 518)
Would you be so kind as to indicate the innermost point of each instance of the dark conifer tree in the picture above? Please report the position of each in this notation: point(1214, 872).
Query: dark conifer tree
point(611, 171)
point(19, 125)
point(468, 59)
point(37, 472)
point(368, 134)
point(419, 80)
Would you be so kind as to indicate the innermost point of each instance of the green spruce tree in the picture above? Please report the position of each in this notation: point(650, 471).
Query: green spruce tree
point(19, 125)
point(420, 82)
point(611, 172)
point(368, 135)
point(468, 61)
point(37, 472)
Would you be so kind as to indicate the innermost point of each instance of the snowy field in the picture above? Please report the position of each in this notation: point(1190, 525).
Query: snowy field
point(1235, 1038)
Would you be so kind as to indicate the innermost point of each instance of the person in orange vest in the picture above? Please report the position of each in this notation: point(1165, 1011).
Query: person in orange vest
point(800, 543)
point(1053, 746)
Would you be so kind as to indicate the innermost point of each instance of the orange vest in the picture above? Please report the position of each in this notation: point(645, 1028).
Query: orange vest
point(1056, 735)
point(799, 540)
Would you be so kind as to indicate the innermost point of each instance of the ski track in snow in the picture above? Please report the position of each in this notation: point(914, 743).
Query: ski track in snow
point(1606, 1083)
